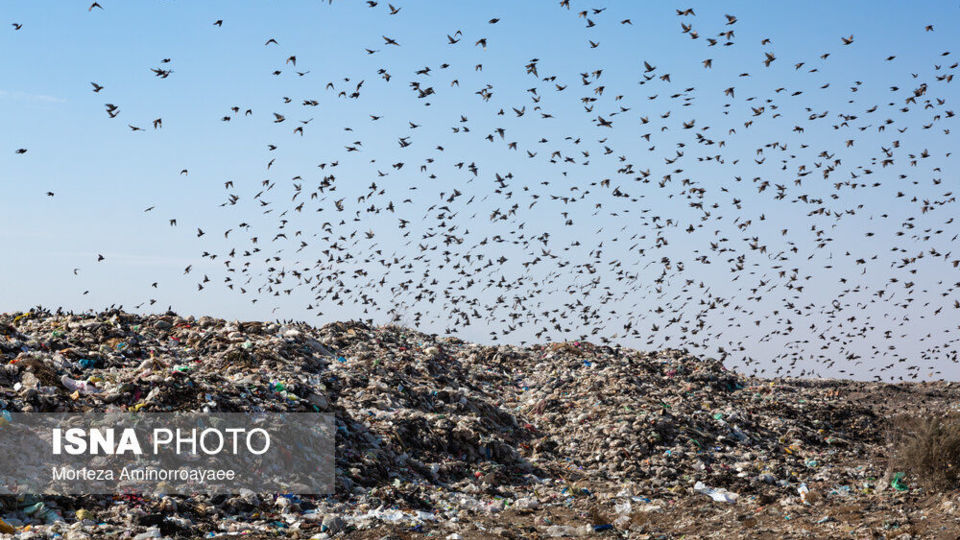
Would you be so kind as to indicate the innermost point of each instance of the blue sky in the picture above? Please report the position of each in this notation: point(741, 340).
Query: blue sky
point(104, 175)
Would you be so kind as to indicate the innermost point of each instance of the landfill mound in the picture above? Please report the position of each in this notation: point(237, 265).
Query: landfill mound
point(434, 433)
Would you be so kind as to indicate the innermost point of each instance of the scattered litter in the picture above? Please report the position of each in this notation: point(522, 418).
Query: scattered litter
point(432, 429)
point(719, 495)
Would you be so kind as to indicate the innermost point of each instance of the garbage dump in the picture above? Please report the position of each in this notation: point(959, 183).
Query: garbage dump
point(443, 438)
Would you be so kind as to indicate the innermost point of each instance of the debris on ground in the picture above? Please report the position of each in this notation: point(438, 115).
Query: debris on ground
point(440, 437)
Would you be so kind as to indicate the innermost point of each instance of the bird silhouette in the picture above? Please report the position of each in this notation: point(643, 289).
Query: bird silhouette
point(801, 212)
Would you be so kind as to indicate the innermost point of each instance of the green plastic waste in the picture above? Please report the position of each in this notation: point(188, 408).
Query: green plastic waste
point(897, 482)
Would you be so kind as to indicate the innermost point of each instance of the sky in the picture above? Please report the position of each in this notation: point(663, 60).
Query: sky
point(103, 175)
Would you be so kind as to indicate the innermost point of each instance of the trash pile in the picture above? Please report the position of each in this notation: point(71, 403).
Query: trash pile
point(434, 433)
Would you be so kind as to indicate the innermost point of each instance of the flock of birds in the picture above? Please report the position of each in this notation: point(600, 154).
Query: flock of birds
point(647, 226)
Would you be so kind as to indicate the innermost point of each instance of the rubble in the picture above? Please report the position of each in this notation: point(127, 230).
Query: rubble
point(436, 434)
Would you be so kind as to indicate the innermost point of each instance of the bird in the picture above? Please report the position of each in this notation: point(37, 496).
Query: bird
point(94, 5)
point(643, 211)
